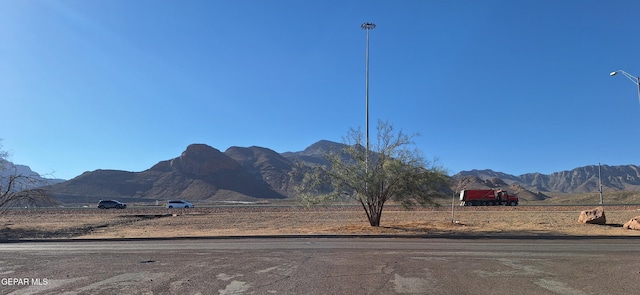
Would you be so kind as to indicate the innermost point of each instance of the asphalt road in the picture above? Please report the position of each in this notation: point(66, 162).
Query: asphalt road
point(329, 265)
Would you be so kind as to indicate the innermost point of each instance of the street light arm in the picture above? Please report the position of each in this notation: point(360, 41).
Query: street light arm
point(633, 78)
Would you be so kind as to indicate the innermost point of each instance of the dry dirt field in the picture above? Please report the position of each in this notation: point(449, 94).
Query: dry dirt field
point(283, 220)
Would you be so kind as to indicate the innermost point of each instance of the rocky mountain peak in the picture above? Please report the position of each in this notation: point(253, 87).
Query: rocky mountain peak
point(201, 159)
point(322, 147)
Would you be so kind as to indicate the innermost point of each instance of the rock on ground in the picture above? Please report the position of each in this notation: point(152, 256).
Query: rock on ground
point(593, 216)
point(633, 223)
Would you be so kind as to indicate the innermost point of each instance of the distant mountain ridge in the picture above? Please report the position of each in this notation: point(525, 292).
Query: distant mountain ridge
point(204, 174)
point(10, 169)
point(578, 180)
point(200, 173)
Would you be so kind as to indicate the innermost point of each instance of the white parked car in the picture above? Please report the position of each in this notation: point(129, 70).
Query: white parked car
point(179, 204)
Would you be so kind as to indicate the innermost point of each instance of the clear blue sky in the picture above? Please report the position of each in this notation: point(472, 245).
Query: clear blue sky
point(512, 86)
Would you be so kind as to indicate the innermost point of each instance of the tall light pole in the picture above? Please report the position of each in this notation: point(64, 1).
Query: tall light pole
point(634, 79)
point(367, 27)
point(600, 181)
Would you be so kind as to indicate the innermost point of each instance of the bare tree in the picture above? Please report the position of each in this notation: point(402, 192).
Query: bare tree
point(389, 171)
point(20, 189)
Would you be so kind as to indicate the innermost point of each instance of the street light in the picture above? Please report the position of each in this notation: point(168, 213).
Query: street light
point(367, 27)
point(634, 79)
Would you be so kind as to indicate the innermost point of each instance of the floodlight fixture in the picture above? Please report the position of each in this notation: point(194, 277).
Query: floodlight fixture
point(368, 26)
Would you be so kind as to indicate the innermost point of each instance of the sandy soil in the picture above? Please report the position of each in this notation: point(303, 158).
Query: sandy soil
point(247, 221)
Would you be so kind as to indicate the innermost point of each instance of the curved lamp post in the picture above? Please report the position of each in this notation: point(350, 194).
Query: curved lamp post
point(634, 79)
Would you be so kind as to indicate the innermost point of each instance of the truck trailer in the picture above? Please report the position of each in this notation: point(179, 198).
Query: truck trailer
point(487, 197)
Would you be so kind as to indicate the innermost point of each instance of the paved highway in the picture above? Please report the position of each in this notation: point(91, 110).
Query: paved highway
point(329, 265)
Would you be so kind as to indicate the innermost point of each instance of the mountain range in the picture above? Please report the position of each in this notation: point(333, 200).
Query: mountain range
point(205, 174)
point(8, 169)
point(579, 180)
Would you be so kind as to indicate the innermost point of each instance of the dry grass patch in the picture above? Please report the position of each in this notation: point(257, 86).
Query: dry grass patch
point(202, 222)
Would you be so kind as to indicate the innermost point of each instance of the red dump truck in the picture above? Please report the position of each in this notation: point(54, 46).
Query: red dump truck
point(488, 197)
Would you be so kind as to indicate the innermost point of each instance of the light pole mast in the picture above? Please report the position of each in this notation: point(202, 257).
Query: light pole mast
point(367, 27)
point(600, 181)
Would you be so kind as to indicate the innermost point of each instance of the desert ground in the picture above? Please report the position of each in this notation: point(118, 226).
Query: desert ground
point(157, 222)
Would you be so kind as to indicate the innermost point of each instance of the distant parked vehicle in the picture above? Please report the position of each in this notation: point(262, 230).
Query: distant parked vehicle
point(108, 204)
point(487, 197)
point(179, 204)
